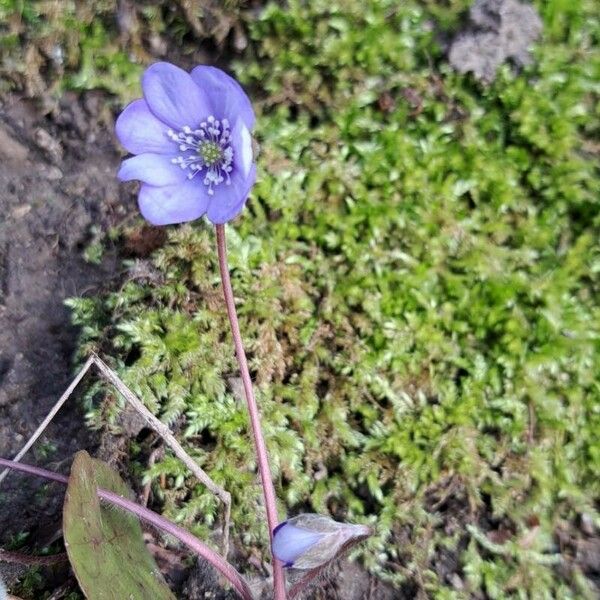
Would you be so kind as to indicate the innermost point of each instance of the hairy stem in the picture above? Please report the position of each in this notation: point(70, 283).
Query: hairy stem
point(185, 537)
point(259, 442)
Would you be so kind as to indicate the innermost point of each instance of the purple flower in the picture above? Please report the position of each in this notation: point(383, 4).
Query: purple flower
point(191, 137)
point(309, 541)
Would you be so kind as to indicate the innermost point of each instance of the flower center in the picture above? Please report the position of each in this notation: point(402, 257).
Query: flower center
point(211, 153)
point(205, 150)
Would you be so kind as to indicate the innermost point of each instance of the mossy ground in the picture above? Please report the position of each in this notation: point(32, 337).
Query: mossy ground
point(417, 281)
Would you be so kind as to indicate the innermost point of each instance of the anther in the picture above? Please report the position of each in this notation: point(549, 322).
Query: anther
point(206, 149)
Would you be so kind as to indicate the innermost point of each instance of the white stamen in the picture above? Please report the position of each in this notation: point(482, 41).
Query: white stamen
point(208, 149)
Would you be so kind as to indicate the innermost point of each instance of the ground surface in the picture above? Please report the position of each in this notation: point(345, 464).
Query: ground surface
point(416, 271)
point(56, 177)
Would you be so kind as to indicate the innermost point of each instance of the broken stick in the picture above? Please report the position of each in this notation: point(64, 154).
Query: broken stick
point(158, 426)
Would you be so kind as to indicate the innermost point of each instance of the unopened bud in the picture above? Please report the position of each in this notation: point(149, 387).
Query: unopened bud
point(309, 541)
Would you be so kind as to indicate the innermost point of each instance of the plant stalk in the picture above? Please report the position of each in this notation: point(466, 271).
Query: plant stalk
point(259, 442)
point(185, 537)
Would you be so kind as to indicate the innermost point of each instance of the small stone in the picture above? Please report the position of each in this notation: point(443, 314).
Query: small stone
point(498, 30)
point(158, 45)
point(20, 211)
point(11, 149)
point(587, 524)
point(478, 53)
point(52, 173)
point(456, 582)
point(45, 141)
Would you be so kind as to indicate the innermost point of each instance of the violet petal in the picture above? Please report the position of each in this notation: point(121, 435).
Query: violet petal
point(173, 97)
point(228, 200)
point(140, 131)
point(225, 94)
point(241, 142)
point(154, 169)
point(170, 204)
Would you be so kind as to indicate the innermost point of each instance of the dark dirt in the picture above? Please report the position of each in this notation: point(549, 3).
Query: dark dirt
point(57, 166)
point(343, 581)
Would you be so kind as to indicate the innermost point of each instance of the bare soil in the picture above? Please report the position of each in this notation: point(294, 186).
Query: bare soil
point(57, 165)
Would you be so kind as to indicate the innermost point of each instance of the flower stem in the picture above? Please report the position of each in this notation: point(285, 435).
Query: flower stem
point(259, 442)
point(218, 562)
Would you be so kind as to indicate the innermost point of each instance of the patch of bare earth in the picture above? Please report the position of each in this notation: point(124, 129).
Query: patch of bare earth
point(57, 180)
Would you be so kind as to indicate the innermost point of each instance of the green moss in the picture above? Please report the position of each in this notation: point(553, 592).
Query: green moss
point(417, 281)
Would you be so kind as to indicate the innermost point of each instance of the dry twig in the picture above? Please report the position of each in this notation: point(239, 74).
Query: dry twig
point(152, 421)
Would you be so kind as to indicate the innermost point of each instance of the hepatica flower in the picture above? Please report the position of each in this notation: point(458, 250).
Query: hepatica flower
point(190, 135)
point(309, 541)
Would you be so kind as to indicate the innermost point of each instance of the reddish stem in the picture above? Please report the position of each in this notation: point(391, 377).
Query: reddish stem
point(259, 442)
point(218, 562)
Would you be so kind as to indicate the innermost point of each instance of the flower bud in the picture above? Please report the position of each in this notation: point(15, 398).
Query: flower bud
point(309, 541)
